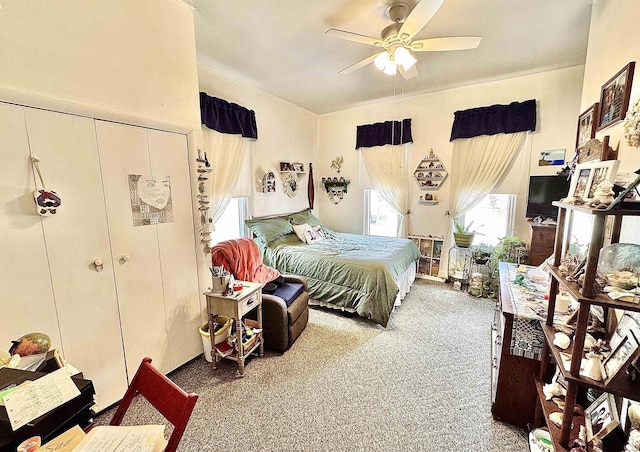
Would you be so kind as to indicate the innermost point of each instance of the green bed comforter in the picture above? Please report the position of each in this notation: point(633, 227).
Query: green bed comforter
point(347, 270)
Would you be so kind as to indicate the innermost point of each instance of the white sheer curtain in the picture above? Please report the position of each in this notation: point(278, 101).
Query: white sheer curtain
point(478, 165)
point(227, 154)
point(388, 168)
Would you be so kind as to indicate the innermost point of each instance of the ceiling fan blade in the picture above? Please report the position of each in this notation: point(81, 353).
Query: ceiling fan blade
point(359, 64)
point(355, 37)
point(409, 73)
point(418, 18)
point(443, 44)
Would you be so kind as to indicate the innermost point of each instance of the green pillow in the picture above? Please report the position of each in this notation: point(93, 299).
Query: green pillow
point(304, 217)
point(269, 229)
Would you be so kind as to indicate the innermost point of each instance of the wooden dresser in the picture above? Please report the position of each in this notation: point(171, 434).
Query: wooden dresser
point(541, 240)
point(513, 389)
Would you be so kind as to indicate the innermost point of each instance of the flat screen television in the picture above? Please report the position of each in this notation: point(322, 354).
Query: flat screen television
point(543, 190)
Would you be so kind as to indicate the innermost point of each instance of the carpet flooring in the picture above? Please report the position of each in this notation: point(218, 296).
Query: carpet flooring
point(421, 384)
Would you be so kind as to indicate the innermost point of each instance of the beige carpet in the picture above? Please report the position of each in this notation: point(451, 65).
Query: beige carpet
point(347, 384)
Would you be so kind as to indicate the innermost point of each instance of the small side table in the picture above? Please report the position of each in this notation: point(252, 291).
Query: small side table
point(459, 265)
point(236, 307)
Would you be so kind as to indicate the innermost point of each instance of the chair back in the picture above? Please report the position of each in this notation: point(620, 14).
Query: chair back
point(166, 397)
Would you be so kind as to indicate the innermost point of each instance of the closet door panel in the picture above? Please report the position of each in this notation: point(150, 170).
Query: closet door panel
point(26, 294)
point(76, 236)
point(123, 151)
point(169, 157)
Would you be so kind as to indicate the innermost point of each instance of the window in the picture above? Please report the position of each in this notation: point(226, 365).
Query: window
point(380, 218)
point(231, 223)
point(493, 217)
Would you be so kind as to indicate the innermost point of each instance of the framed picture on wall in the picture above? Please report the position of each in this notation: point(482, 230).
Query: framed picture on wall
point(587, 124)
point(614, 97)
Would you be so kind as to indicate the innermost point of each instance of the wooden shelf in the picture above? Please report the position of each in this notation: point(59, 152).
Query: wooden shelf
point(625, 208)
point(549, 407)
point(622, 387)
point(428, 203)
point(600, 299)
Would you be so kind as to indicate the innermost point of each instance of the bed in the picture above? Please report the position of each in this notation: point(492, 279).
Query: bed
point(363, 274)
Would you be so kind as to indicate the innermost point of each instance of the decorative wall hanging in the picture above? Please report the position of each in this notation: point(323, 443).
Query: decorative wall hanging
point(551, 157)
point(614, 97)
point(290, 185)
point(337, 163)
point(311, 192)
point(150, 199)
point(203, 170)
point(47, 201)
point(336, 188)
point(430, 172)
point(269, 183)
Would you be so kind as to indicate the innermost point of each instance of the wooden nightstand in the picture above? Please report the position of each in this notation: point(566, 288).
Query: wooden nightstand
point(541, 240)
point(236, 307)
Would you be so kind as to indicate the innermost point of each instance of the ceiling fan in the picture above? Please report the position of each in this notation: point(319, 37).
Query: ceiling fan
point(396, 39)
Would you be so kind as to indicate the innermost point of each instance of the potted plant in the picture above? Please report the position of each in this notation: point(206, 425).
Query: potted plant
point(463, 235)
point(481, 254)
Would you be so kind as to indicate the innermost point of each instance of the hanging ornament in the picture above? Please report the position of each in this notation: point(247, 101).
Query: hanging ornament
point(47, 201)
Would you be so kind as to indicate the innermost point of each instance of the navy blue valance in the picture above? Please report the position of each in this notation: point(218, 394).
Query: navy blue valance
point(515, 117)
point(225, 117)
point(381, 133)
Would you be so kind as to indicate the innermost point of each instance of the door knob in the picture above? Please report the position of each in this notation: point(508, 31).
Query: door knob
point(98, 265)
point(125, 258)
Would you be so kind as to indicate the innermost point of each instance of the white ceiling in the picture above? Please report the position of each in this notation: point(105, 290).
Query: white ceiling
point(280, 46)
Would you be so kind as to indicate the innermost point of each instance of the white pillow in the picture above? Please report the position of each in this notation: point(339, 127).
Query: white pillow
point(301, 231)
point(314, 234)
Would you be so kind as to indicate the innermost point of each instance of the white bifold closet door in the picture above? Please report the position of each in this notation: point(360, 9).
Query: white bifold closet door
point(155, 265)
point(85, 299)
point(26, 295)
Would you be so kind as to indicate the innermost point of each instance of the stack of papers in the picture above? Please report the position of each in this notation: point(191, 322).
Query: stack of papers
point(106, 438)
point(146, 438)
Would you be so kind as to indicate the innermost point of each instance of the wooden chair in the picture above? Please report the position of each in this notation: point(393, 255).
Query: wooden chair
point(167, 397)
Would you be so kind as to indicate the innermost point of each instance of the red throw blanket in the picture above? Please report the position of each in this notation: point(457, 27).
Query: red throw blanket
point(242, 258)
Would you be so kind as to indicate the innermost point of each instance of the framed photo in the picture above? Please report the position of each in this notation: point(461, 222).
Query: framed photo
point(600, 171)
point(587, 176)
point(621, 356)
point(579, 180)
point(625, 422)
point(601, 417)
point(285, 166)
point(614, 97)
point(299, 167)
point(587, 124)
point(627, 323)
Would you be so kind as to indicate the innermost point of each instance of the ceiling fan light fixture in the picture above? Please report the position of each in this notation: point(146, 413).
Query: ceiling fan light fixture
point(390, 68)
point(381, 60)
point(403, 56)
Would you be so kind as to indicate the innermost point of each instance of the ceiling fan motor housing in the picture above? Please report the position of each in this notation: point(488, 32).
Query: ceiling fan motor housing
point(397, 11)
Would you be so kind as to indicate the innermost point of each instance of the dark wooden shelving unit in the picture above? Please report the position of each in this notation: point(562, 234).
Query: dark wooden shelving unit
point(585, 297)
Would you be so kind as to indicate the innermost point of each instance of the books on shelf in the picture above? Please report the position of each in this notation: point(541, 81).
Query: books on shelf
point(224, 348)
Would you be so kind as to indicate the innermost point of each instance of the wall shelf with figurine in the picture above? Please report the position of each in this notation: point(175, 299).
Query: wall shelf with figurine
point(288, 167)
point(336, 188)
point(428, 200)
point(430, 173)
